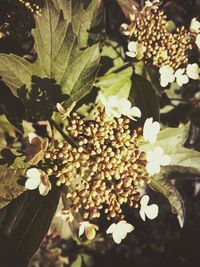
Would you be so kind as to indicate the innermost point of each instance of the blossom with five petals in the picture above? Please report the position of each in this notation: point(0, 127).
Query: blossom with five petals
point(89, 229)
point(166, 75)
point(181, 77)
point(135, 50)
point(155, 159)
point(38, 179)
point(192, 71)
point(150, 130)
point(120, 230)
point(115, 107)
point(149, 211)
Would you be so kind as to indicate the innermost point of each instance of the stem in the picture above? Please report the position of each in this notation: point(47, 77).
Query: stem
point(66, 137)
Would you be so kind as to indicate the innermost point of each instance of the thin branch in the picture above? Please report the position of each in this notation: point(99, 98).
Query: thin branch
point(64, 135)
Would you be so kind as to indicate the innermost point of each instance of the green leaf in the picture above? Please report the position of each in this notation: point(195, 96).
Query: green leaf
point(15, 71)
point(59, 57)
point(87, 23)
point(24, 223)
point(116, 82)
point(65, 6)
point(164, 186)
point(9, 187)
point(143, 96)
point(77, 262)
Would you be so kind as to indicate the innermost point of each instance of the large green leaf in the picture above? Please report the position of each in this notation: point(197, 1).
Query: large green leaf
point(59, 57)
point(24, 223)
point(164, 186)
point(9, 187)
point(143, 95)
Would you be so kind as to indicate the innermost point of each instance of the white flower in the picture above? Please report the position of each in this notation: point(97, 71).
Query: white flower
point(126, 109)
point(120, 230)
point(124, 29)
point(197, 41)
point(150, 130)
point(65, 112)
point(136, 50)
point(155, 159)
point(115, 107)
point(111, 106)
point(181, 78)
point(166, 75)
point(89, 229)
point(192, 71)
point(195, 25)
point(149, 211)
point(38, 179)
point(36, 148)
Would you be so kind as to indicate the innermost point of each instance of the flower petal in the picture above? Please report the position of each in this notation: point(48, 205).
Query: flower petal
point(43, 189)
point(33, 173)
point(131, 54)
point(142, 214)
point(90, 232)
point(152, 211)
point(111, 228)
point(144, 200)
point(32, 183)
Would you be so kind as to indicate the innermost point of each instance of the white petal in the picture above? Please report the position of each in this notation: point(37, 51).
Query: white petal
point(132, 46)
point(165, 160)
point(152, 211)
point(144, 200)
point(32, 183)
point(135, 112)
point(142, 214)
point(116, 237)
point(33, 173)
point(158, 152)
point(43, 189)
point(127, 228)
point(192, 71)
point(152, 168)
point(111, 228)
point(82, 227)
point(131, 54)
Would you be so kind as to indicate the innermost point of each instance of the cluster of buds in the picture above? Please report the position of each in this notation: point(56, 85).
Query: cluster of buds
point(33, 7)
point(149, 29)
point(104, 168)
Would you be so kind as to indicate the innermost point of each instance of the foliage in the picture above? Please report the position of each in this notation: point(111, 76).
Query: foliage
point(80, 97)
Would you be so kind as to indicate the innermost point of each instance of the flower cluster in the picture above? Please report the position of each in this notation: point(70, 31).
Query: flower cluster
point(102, 167)
point(105, 167)
point(152, 41)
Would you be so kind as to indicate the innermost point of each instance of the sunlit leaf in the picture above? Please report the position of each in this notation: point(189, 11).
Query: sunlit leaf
point(58, 57)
